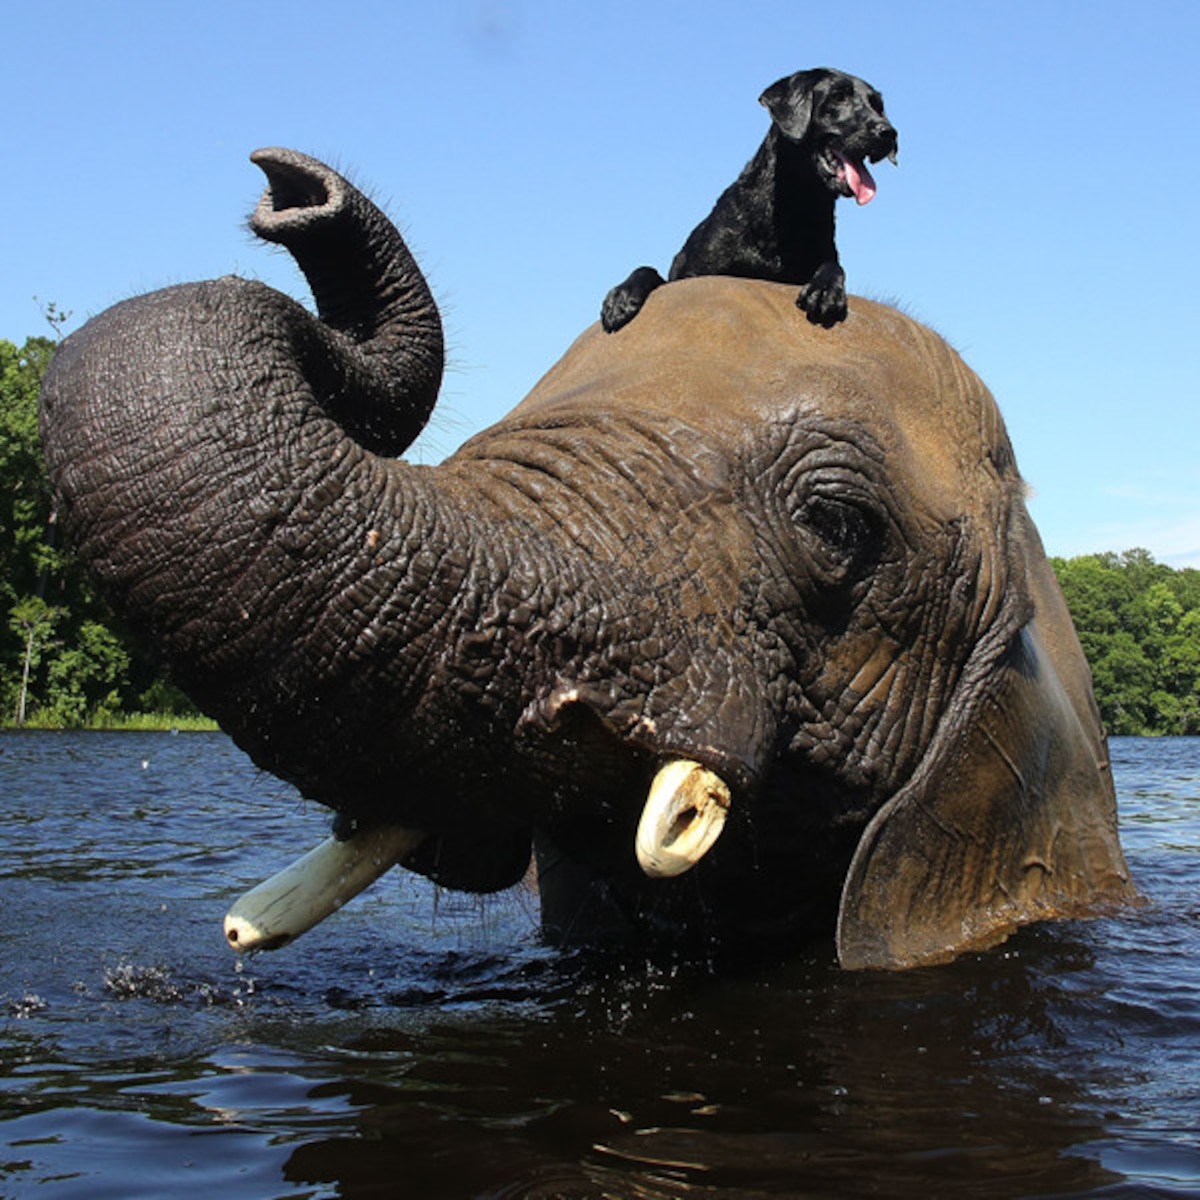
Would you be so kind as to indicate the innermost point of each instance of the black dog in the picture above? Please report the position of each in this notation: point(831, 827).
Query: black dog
point(776, 221)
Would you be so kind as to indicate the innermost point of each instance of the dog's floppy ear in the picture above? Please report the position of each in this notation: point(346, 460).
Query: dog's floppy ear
point(790, 103)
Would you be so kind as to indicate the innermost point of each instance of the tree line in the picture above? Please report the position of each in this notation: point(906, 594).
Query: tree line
point(1139, 623)
point(66, 662)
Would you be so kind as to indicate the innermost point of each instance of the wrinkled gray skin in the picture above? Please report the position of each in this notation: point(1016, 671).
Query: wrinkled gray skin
point(799, 557)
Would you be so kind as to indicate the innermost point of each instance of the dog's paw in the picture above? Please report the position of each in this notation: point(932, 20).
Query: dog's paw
point(625, 301)
point(619, 308)
point(823, 298)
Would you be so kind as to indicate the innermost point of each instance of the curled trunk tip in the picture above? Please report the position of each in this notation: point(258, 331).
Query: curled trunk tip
point(299, 189)
point(381, 372)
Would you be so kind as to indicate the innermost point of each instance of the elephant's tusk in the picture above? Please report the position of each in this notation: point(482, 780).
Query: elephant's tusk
point(291, 902)
point(684, 815)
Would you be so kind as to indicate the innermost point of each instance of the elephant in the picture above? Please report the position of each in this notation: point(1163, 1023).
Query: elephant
point(778, 578)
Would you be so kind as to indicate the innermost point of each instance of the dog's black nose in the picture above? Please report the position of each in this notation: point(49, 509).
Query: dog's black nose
point(887, 140)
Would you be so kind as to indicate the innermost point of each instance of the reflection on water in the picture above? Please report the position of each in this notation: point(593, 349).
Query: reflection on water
point(425, 1044)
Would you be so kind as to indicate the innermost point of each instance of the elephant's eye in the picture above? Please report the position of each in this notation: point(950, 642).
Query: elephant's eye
point(846, 536)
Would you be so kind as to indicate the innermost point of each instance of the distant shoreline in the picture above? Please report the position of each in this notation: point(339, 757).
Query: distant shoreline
point(125, 723)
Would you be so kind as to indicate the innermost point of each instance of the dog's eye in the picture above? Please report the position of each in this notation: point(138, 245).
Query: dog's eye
point(876, 102)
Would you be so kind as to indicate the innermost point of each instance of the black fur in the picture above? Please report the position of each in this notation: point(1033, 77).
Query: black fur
point(776, 221)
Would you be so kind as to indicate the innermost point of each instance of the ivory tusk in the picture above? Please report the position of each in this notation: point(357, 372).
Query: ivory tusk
point(684, 815)
point(291, 902)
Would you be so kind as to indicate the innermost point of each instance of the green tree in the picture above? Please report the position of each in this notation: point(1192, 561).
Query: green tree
point(1124, 681)
point(1139, 625)
point(1179, 698)
point(85, 679)
point(24, 500)
point(25, 552)
point(34, 622)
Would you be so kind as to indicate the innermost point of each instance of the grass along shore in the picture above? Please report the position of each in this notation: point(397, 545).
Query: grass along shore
point(128, 723)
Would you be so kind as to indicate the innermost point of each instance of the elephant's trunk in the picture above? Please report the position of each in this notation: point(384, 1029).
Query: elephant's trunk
point(367, 287)
point(211, 449)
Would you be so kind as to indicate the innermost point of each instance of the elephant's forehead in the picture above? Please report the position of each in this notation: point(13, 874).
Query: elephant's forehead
point(723, 354)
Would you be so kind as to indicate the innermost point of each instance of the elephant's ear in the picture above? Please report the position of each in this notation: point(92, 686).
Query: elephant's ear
point(1018, 825)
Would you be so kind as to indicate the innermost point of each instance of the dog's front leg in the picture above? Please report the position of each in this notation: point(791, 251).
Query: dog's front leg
point(823, 297)
point(625, 301)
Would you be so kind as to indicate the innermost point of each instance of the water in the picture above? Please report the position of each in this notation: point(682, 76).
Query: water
point(422, 1044)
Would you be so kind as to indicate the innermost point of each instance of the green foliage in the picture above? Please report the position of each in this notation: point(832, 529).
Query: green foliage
point(24, 502)
point(63, 660)
point(1139, 624)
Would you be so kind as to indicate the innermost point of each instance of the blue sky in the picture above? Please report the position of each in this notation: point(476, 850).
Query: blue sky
point(1042, 217)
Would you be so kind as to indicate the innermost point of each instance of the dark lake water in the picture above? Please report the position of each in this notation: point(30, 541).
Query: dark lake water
point(424, 1044)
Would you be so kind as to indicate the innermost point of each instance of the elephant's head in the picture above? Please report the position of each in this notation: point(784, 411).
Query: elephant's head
point(797, 559)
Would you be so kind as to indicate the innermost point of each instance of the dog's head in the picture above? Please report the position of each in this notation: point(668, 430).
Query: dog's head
point(841, 118)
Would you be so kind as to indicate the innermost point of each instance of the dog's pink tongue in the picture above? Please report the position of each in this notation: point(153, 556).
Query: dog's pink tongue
point(859, 179)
